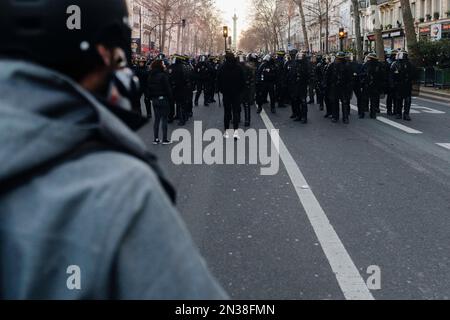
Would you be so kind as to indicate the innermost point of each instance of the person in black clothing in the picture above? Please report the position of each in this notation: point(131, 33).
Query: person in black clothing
point(265, 83)
point(402, 78)
point(248, 96)
point(390, 94)
point(372, 76)
point(280, 84)
point(231, 82)
point(141, 71)
point(338, 80)
point(159, 91)
point(298, 74)
point(357, 85)
point(319, 71)
point(178, 81)
point(202, 72)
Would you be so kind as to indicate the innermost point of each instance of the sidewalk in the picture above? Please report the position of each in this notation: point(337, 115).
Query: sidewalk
point(442, 95)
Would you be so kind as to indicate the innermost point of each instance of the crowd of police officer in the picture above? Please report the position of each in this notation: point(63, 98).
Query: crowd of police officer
point(295, 78)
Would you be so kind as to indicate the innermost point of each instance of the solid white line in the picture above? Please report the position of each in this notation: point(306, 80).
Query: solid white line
point(394, 124)
point(444, 145)
point(350, 281)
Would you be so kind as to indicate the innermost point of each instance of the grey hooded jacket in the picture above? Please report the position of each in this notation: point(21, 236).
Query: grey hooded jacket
point(98, 226)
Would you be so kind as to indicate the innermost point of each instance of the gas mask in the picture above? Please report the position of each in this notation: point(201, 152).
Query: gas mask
point(124, 88)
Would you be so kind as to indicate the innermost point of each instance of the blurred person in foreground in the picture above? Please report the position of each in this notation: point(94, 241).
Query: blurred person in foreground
point(78, 189)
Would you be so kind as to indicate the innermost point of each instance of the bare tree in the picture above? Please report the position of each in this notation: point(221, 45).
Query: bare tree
point(357, 26)
point(299, 3)
point(411, 37)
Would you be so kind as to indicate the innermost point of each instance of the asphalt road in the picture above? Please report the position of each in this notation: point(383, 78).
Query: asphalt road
point(375, 194)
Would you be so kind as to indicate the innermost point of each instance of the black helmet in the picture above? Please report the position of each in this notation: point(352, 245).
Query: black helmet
point(293, 53)
point(58, 33)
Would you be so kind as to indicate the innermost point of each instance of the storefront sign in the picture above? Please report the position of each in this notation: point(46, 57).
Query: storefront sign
point(446, 27)
point(396, 34)
point(136, 45)
point(424, 30)
point(436, 32)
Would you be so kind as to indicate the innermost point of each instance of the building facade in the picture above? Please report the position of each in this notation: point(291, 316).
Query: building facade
point(144, 26)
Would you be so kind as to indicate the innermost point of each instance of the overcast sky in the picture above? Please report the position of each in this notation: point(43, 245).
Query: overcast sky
point(229, 7)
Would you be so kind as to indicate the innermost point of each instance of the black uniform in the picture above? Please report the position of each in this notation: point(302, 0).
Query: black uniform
point(190, 87)
point(319, 72)
point(402, 77)
point(327, 92)
point(178, 80)
point(142, 72)
point(372, 77)
point(312, 80)
point(280, 83)
point(390, 94)
point(298, 75)
point(231, 82)
point(339, 83)
point(202, 72)
point(357, 86)
point(265, 84)
point(248, 96)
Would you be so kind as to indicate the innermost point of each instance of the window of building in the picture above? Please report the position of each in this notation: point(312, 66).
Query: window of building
point(413, 9)
point(422, 9)
point(437, 6)
point(429, 8)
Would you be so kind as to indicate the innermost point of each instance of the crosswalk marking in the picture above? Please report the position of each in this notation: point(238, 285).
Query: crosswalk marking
point(394, 124)
point(444, 145)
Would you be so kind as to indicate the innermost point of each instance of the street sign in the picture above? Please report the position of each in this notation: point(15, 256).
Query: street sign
point(436, 32)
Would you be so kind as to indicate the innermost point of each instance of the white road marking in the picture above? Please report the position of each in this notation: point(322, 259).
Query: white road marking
point(393, 123)
point(427, 110)
point(385, 110)
point(444, 145)
point(350, 281)
point(445, 104)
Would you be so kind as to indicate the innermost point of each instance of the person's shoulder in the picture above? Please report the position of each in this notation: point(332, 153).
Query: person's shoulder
point(118, 173)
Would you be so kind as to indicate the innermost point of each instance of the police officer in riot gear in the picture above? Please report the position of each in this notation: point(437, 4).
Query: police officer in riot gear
point(390, 94)
point(265, 83)
point(402, 77)
point(178, 80)
point(297, 75)
point(190, 85)
point(202, 74)
point(372, 81)
point(141, 70)
point(338, 80)
point(319, 73)
point(280, 84)
point(248, 97)
point(356, 68)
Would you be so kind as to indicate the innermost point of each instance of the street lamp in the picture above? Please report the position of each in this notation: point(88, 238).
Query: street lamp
point(225, 35)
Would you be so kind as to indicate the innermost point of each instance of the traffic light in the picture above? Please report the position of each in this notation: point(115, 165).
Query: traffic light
point(225, 32)
point(341, 33)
